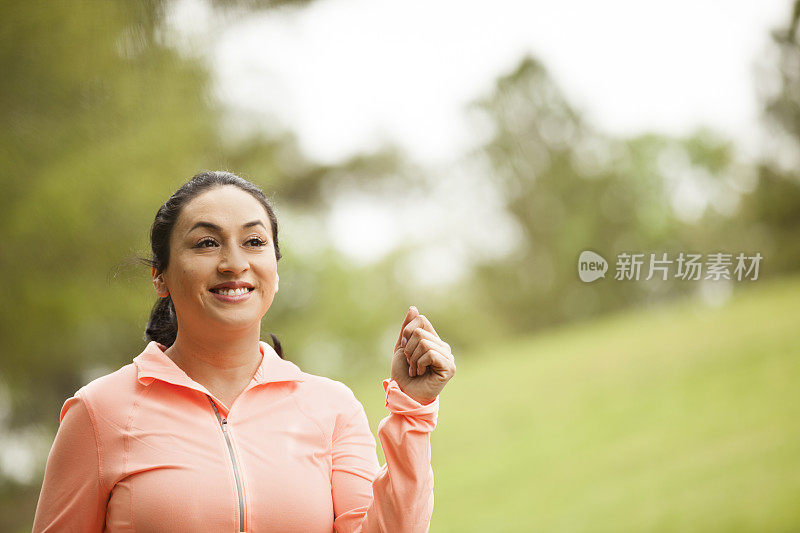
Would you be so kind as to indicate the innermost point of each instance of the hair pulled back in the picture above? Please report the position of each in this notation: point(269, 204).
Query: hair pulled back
point(163, 324)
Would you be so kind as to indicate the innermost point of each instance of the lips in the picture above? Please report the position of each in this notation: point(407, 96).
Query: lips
point(232, 288)
point(231, 292)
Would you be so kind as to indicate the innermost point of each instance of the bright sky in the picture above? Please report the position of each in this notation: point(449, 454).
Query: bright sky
point(348, 75)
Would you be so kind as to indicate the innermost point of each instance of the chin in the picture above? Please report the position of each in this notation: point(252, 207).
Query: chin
point(235, 320)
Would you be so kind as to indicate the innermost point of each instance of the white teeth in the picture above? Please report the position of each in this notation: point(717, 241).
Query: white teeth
point(232, 292)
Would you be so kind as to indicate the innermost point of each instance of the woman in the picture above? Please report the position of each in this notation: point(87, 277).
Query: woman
point(209, 429)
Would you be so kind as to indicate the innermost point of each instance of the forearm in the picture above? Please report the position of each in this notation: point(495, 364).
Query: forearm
point(403, 488)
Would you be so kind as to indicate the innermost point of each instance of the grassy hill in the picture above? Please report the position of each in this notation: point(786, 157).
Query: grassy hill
point(683, 418)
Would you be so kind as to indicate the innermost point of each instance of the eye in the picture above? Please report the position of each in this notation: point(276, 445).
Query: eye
point(255, 241)
point(206, 243)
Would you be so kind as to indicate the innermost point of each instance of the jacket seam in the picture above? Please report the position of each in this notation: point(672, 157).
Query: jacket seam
point(98, 445)
point(136, 402)
point(359, 409)
point(325, 435)
point(351, 417)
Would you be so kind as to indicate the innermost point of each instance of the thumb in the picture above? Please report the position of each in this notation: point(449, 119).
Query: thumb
point(412, 312)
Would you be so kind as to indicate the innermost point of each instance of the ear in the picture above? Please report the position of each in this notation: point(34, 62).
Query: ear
point(159, 284)
point(277, 279)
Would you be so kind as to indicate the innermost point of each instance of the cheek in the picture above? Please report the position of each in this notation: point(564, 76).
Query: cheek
point(269, 275)
point(266, 266)
point(186, 278)
point(270, 279)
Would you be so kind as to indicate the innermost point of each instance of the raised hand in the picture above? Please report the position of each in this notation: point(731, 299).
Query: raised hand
point(422, 362)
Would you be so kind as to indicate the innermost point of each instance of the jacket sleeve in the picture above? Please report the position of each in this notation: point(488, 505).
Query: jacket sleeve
point(73, 497)
point(399, 498)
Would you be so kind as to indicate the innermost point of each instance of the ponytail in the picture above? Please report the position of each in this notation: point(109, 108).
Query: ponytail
point(163, 324)
point(276, 344)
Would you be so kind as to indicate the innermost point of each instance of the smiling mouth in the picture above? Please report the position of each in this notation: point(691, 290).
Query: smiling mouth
point(232, 292)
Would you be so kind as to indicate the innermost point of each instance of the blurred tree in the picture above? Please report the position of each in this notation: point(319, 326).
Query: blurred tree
point(770, 215)
point(98, 114)
point(570, 188)
point(561, 205)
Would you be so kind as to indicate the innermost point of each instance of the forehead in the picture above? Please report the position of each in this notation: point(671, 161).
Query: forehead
point(226, 206)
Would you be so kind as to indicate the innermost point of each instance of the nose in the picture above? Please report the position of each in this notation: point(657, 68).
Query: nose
point(232, 260)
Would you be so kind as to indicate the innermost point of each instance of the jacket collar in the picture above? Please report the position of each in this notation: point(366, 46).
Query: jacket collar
point(153, 364)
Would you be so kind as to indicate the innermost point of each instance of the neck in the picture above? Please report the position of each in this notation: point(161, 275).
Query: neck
point(223, 363)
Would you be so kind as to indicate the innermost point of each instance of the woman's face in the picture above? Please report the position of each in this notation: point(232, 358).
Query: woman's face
point(222, 268)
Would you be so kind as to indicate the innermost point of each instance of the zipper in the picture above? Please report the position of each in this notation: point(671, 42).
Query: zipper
point(223, 423)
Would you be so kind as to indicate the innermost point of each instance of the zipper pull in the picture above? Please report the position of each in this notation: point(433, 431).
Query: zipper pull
point(224, 421)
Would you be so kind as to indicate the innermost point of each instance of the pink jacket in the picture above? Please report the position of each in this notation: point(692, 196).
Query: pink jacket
point(146, 448)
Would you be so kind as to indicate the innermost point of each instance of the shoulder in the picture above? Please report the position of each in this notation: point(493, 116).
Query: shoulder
point(330, 403)
point(324, 389)
point(318, 390)
point(108, 395)
point(112, 385)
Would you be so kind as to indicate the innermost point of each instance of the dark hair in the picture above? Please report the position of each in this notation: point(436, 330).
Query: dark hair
point(163, 324)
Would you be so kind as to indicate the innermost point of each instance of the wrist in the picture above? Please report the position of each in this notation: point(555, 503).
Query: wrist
point(423, 401)
point(399, 400)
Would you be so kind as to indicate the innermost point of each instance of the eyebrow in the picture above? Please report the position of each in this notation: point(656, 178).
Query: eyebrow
point(211, 226)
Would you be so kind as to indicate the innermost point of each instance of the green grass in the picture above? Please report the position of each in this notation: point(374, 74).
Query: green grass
point(684, 418)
